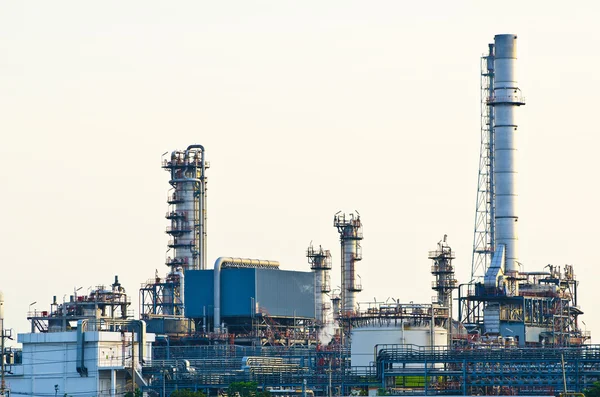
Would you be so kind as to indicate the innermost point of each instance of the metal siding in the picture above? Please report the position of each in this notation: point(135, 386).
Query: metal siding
point(199, 293)
point(238, 287)
point(286, 293)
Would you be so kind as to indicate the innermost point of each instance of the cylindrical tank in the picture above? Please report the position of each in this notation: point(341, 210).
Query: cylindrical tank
point(170, 325)
point(506, 99)
point(366, 338)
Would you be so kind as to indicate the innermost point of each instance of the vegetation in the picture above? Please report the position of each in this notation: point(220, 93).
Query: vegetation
point(187, 393)
point(245, 389)
point(593, 391)
point(137, 393)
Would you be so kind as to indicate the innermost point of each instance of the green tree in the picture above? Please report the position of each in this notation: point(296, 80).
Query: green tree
point(137, 393)
point(593, 391)
point(187, 393)
point(245, 389)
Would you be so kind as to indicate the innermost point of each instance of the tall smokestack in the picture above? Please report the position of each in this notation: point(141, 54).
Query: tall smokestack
point(320, 263)
point(350, 230)
point(506, 99)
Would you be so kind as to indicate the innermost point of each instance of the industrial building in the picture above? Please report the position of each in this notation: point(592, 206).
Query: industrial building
point(203, 327)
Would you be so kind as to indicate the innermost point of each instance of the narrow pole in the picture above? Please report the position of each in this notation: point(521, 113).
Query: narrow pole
point(132, 363)
point(329, 376)
point(562, 361)
point(2, 383)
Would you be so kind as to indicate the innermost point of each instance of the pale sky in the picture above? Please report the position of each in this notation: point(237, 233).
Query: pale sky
point(305, 108)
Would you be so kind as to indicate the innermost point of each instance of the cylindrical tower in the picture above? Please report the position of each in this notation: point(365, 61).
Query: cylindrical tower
point(187, 208)
point(351, 232)
point(336, 304)
point(320, 263)
point(443, 271)
point(506, 98)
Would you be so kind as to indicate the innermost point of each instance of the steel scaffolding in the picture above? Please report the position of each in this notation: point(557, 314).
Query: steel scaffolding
point(483, 238)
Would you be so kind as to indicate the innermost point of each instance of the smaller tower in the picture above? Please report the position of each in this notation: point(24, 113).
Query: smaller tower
point(443, 271)
point(336, 304)
point(445, 282)
point(351, 233)
point(320, 263)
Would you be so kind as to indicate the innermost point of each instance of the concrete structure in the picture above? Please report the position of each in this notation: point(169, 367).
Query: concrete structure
point(60, 363)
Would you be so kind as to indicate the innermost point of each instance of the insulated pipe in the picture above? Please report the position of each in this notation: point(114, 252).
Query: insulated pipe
point(506, 98)
point(202, 204)
point(179, 273)
point(225, 262)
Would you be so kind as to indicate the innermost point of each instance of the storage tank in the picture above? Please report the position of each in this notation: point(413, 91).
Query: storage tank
point(364, 339)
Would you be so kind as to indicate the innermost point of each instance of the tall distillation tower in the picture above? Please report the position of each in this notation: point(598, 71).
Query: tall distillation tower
point(187, 244)
point(351, 233)
point(320, 263)
point(505, 100)
point(187, 208)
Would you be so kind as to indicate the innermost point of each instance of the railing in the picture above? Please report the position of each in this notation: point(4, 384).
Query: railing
point(178, 229)
point(176, 261)
point(177, 243)
point(449, 283)
point(182, 163)
point(112, 361)
point(175, 215)
point(441, 253)
point(442, 269)
point(515, 99)
point(174, 198)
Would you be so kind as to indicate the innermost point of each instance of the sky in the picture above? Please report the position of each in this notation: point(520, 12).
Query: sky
point(305, 109)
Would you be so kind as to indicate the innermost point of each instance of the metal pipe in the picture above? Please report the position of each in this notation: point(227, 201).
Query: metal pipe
point(224, 262)
point(179, 273)
point(202, 204)
point(506, 98)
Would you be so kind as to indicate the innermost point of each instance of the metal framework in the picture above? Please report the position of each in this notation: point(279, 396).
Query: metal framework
point(101, 303)
point(320, 264)
point(484, 238)
point(161, 297)
point(489, 371)
point(213, 368)
point(400, 369)
point(547, 303)
point(443, 271)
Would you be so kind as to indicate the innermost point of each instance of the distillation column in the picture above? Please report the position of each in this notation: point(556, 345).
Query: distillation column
point(350, 230)
point(187, 214)
point(187, 208)
point(505, 100)
point(443, 271)
point(320, 263)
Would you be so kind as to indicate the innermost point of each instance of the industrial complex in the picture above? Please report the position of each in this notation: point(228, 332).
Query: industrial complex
point(203, 326)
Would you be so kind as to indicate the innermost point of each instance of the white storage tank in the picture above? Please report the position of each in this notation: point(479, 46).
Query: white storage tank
point(365, 338)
